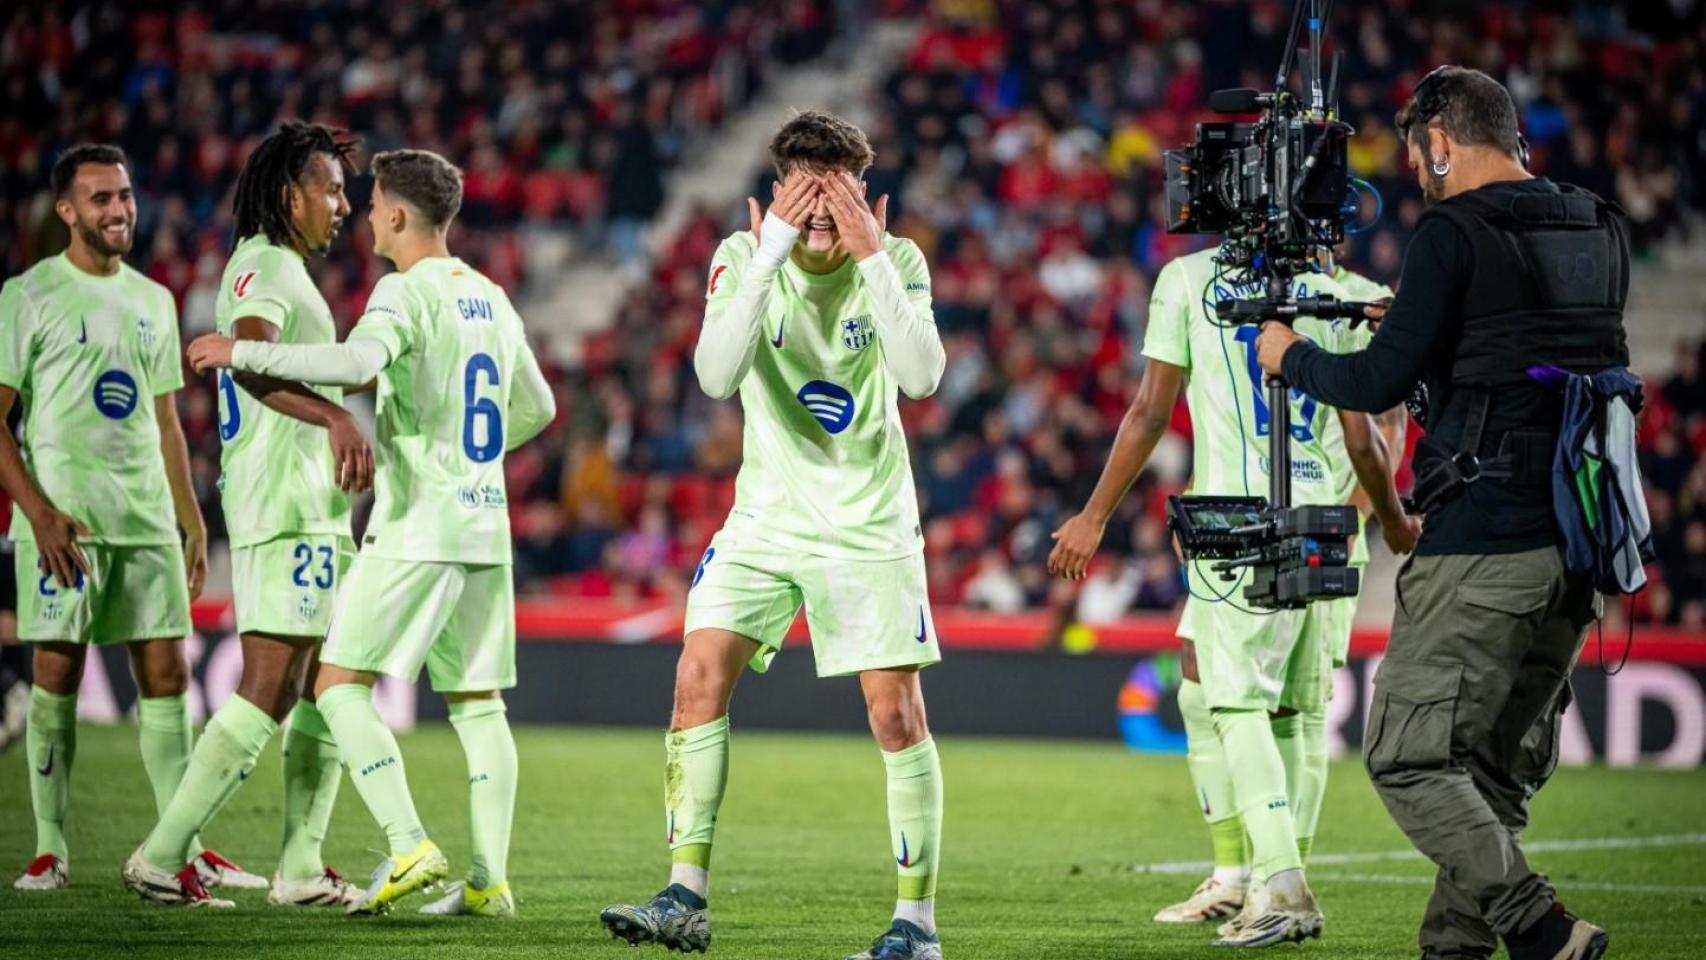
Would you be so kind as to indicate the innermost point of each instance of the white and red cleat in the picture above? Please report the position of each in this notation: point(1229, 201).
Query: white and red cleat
point(1211, 900)
point(329, 889)
point(182, 889)
point(216, 871)
point(46, 872)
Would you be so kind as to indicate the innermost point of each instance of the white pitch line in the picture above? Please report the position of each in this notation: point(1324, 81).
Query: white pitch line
point(1381, 856)
point(1568, 885)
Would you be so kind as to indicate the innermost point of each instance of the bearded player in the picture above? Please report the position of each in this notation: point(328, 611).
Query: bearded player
point(1256, 684)
point(819, 319)
point(290, 456)
point(110, 542)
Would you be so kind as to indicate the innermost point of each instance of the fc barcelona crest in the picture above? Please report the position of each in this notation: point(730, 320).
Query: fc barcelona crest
point(857, 332)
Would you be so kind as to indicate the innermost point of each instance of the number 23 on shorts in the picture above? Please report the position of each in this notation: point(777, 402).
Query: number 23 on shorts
point(323, 573)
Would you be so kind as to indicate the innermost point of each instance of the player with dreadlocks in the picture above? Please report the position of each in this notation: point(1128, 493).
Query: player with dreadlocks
point(285, 491)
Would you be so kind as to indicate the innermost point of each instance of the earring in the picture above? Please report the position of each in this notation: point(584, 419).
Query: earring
point(1441, 167)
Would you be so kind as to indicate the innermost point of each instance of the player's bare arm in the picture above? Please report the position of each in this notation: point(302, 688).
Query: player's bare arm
point(56, 532)
point(176, 454)
point(352, 456)
point(1143, 426)
point(1371, 458)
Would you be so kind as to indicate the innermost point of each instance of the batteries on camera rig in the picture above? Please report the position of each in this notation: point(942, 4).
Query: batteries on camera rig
point(1294, 554)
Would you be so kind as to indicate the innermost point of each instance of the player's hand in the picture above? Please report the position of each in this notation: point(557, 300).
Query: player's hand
point(861, 227)
point(1074, 544)
point(1401, 535)
point(210, 351)
point(352, 458)
point(195, 560)
point(793, 202)
point(56, 534)
point(1275, 339)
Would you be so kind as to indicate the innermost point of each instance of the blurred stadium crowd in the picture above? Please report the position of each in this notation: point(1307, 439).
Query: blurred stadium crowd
point(1021, 142)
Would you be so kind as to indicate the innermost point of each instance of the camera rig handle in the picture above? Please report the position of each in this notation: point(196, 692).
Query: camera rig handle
point(1280, 305)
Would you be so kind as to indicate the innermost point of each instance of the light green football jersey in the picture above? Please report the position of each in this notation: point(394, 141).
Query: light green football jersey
point(824, 468)
point(87, 356)
point(457, 349)
point(1357, 287)
point(1228, 403)
point(276, 472)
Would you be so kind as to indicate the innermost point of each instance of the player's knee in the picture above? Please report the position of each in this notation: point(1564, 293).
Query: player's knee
point(897, 721)
point(163, 675)
point(700, 690)
point(59, 671)
point(276, 695)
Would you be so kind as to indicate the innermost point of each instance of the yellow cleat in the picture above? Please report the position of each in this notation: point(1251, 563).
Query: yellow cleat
point(464, 900)
point(398, 877)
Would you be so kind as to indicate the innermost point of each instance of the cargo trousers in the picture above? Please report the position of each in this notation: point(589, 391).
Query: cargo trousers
point(1464, 729)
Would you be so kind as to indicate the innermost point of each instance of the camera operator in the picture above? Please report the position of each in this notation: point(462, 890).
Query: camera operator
point(1507, 272)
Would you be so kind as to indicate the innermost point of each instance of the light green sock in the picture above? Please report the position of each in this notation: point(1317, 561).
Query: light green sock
point(1302, 742)
point(369, 752)
point(227, 751)
point(492, 773)
point(1230, 851)
point(696, 771)
point(915, 817)
point(312, 773)
point(51, 742)
point(1205, 758)
point(166, 744)
point(1261, 790)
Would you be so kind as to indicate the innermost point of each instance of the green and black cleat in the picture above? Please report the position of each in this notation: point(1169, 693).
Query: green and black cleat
point(677, 918)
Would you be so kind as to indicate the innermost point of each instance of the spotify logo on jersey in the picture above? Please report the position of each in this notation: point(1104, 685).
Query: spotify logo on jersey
point(830, 404)
point(115, 394)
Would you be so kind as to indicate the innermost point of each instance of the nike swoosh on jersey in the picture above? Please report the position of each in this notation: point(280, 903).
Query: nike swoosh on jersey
point(780, 329)
point(84, 324)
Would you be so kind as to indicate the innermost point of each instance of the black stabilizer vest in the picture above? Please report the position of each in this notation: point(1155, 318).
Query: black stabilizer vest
point(1550, 280)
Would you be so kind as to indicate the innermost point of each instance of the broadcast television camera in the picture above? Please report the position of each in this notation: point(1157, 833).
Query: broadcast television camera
point(1279, 190)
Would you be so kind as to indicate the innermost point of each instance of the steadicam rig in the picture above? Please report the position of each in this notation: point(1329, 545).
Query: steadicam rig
point(1279, 190)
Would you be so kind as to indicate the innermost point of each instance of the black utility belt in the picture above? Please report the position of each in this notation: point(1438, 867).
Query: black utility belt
point(1524, 458)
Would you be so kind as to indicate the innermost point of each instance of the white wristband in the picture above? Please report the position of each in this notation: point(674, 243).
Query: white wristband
point(776, 240)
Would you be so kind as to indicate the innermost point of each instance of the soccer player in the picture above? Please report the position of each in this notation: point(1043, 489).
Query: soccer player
point(110, 543)
point(458, 386)
point(288, 515)
point(1301, 736)
point(1256, 686)
point(819, 319)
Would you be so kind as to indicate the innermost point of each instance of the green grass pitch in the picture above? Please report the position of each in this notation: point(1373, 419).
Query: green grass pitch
point(1044, 848)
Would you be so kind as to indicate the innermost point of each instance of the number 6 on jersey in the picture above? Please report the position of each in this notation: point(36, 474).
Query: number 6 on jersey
point(482, 420)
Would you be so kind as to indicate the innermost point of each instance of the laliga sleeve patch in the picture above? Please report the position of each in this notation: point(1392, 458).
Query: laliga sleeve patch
point(240, 286)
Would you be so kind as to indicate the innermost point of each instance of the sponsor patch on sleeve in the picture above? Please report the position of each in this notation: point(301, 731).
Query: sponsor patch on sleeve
point(240, 286)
